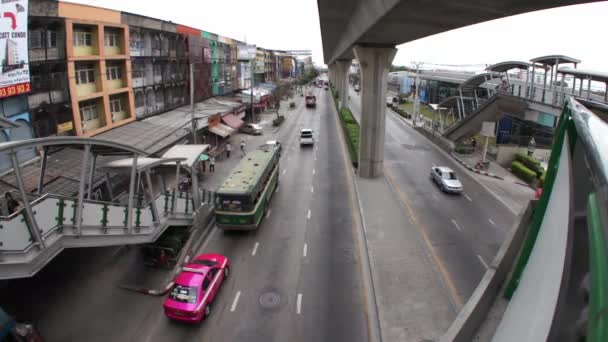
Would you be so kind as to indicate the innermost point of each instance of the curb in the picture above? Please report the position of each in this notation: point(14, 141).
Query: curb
point(470, 168)
point(152, 292)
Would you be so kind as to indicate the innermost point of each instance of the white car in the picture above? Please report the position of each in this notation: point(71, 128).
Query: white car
point(446, 179)
point(306, 137)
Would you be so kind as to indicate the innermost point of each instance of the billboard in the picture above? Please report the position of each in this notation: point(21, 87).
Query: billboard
point(14, 67)
point(246, 52)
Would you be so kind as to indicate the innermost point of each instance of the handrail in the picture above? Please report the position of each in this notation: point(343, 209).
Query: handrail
point(597, 326)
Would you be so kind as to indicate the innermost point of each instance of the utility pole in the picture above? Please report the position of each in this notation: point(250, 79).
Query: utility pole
point(192, 103)
point(251, 98)
point(416, 97)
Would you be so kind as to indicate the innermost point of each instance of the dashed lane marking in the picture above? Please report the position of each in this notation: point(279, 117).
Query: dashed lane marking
point(482, 261)
point(456, 225)
point(492, 222)
point(235, 301)
point(468, 197)
point(305, 250)
point(255, 248)
point(299, 304)
point(308, 215)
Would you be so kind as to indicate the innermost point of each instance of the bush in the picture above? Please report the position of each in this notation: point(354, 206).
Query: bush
point(530, 163)
point(521, 171)
point(351, 131)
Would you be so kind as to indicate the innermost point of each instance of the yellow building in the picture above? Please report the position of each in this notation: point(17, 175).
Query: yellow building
point(99, 68)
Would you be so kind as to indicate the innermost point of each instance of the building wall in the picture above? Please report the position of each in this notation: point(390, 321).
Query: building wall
point(84, 12)
point(93, 112)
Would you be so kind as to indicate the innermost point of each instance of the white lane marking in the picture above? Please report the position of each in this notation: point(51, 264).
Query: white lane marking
point(305, 250)
point(187, 258)
point(236, 301)
point(315, 157)
point(308, 216)
point(312, 189)
point(482, 261)
point(284, 171)
point(314, 171)
point(299, 304)
point(255, 249)
point(277, 190)
point(456, 224)
point(268, 213)
point(469, 198)
point(492, 222)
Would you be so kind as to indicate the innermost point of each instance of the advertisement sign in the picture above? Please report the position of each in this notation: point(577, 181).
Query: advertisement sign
point(487, 128)
point(14, 67)
point(65, 127)
point(245, 52)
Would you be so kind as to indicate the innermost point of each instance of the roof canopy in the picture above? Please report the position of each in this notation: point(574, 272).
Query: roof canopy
point(509, 65)
point(98, 146)
point(142, 163)
point(555, 59)
point(477, 80)
point(449, 102)
point(188, 154)
point(580, 73)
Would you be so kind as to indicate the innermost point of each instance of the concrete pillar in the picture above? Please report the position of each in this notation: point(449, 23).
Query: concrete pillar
point(375, 63)
point(342, 66)
point(332, 74)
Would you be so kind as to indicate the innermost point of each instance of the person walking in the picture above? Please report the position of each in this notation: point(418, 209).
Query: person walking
point(228, 149)
point(242, 148)
point(212, 164)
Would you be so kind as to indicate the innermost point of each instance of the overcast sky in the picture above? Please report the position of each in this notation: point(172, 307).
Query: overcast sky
point(577, 31)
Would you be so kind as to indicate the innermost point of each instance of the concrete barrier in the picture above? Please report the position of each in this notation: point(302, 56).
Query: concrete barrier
point(475, 311)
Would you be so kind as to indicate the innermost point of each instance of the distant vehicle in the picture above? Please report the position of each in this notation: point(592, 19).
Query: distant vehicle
point(446, 179)
point(326, 86)
point(311, 101)
point(251, 128)
point(390, 101)
point(195, 288)
point(306, 137)
point(357, 87)
point(272, 144)
point(242, 201)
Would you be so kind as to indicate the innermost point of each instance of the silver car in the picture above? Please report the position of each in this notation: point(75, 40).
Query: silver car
point(446, 179)
point(252, 128)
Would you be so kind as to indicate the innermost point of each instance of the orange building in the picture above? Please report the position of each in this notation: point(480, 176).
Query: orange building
point(99, 68)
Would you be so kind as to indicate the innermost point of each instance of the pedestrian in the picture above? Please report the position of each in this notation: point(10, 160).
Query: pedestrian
point(242, 148)
point(228, 149)
point(212, 164)
point(473, 142)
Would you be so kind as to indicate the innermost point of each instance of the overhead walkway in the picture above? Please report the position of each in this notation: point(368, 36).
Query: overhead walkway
point(44, 225)
point(549, 280)
point(519, 90)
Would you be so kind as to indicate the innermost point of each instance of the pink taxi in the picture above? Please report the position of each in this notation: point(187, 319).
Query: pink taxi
point(195, 288)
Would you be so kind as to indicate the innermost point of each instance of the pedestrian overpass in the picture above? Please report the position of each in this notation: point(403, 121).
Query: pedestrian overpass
point(47, 223)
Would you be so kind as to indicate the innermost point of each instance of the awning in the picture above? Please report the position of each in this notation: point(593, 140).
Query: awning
point(241, 115)
point(190, 153)
point(221, 130)
point(232, 121)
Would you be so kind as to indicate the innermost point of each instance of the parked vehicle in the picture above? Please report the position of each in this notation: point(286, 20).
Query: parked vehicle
point(306, 137)
point(357, 87)
point(14, 331)
point(446, 179)
point(311, 101)
point(195, 288)
point(272, 144)
point(251, 128)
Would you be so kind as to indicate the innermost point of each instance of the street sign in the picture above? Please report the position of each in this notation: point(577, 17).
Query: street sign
point(487, 128)
point(14, 66)
point(246, 52)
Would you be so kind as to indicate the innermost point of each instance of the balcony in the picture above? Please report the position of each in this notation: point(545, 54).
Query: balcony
point(85, 42)
point(120, 108)
point(115, 75)
point(114, 42)
point(87, 78)
point(92, 114)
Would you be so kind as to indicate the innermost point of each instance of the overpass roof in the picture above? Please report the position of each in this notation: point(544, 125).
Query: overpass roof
point(479, 79)
point(580, 73)
point(552, 59)
point(449, 102)
point(509, 65)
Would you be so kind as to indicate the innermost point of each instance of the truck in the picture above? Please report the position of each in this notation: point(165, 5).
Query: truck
point(311, 101)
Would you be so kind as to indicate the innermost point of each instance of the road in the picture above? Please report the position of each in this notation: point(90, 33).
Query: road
point(297, 278)
point(464, 231)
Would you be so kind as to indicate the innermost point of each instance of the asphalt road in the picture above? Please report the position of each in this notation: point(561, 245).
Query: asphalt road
point(464, 230)
point(297, 278)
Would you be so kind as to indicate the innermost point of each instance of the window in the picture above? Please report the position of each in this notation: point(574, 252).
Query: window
point(51, 39)
point(115, 105)
point(88, 111)
point(83, 38)
point(184, 294)
point(85, 73)
point(206, 283)
point(111, 39)
point(35, 39)
point(204, 262)
point(113, 72)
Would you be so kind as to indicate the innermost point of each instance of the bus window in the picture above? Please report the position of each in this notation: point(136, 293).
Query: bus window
point(233, 203)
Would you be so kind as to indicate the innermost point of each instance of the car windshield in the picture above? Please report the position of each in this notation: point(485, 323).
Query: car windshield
point(449, 175)
point(204, 262)
point(184, 294)
point(306, 135)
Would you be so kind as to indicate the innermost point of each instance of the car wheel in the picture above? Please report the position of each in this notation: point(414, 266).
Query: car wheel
point(226, 272)
point(207, 310)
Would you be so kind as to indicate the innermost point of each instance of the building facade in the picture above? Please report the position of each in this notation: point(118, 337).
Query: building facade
point(99, 68)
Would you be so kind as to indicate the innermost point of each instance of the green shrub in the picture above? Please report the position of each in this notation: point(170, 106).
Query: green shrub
point(530, 163)
point(521, 171)
point(542, 179)
point(351, 131)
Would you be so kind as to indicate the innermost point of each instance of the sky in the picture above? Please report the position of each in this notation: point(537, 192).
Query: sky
point(577, 31)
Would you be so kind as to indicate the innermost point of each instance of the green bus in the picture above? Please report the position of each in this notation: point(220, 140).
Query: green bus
point(241, 202)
